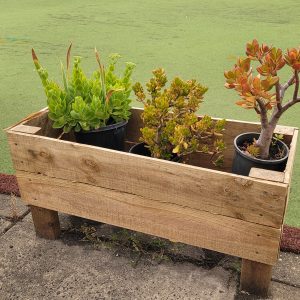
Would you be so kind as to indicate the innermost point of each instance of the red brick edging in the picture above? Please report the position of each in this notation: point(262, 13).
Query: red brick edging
point(9, 185)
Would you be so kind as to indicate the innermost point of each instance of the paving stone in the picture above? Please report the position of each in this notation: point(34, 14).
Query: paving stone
point(11, 205)
point(288, 269)
point(283, 291)
point(4, 225)
point(149, 243)
point(34, 268)
point(278, 291)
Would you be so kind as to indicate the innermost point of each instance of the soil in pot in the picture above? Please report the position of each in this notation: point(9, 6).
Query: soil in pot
point(141, 149)
point(243, 162)
point(111, 136)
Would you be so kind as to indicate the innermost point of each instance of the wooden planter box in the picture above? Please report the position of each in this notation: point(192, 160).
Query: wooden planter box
point(194, 204)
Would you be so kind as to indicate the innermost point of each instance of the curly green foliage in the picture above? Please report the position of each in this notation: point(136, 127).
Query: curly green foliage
point(84, 103)
point(171, 125)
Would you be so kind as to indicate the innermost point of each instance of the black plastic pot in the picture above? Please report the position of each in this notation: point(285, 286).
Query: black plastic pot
point(110, 136)
point(242, 163)
point(141, 149)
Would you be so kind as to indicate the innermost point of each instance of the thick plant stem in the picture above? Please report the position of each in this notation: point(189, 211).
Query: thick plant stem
point(264, 140)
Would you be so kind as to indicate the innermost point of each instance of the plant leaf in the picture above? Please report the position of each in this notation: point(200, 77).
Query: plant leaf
point(68, 58)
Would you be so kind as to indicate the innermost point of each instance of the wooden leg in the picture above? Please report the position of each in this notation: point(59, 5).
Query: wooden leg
point(255, 277)
point(46, 222)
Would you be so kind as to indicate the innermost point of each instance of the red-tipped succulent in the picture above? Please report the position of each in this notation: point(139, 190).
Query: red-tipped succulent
point(264, 92)
point(292, 58)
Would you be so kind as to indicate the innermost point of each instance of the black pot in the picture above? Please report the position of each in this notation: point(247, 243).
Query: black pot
point(141, 149)
point(243, 163)
point(110, 136)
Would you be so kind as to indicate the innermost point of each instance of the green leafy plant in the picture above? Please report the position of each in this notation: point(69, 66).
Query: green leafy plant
point(252, 150)
point(264, 93)
point(83, 103)
point(171, 125)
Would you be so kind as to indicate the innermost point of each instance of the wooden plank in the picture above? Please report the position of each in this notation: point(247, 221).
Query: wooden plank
point(244, 198)
point(133, 134)
point(134, 124)
point(255, 277)
point(285, 130)
point(41, 120)
point(46, 222)
point(233, 128)
point(26, 129)
point(290, 165)
point(29, 118)
point(267, 174)
point(163, 219)
point(291, 159)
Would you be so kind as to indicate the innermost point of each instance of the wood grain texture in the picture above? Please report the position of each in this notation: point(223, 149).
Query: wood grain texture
point(289, 166)
point(244, 198)
point(164, 219)
point(26, 129)
point(133, 134)
point(255, 277)
point(46, 222)
point(26, 121)
point(267, 174)
point(291, 159)
point(134, 124)
point(41, 120)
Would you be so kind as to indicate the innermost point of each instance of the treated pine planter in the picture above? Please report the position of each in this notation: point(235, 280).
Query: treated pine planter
point(190, 203)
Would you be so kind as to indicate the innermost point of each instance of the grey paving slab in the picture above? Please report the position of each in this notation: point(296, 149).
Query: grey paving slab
point(89, 262)
point(11, 206)
point(279, 291)
point(284, 292)
point(33, 268)
point(4, 225)
point(288, 269)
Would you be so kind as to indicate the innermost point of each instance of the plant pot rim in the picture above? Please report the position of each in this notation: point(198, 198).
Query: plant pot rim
point(105, 128)
point(136, 145)
point(259, 160)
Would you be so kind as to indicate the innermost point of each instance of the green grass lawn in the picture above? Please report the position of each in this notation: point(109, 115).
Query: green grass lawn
point(194, 39)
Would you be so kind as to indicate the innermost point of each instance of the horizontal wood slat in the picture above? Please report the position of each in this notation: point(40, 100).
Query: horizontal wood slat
point(41, 119)
point(291, 158)
point(26, 129)
point(248, 199)
point(289, 166)
point(233, 128)
point(267, 174)
point(163, 219)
